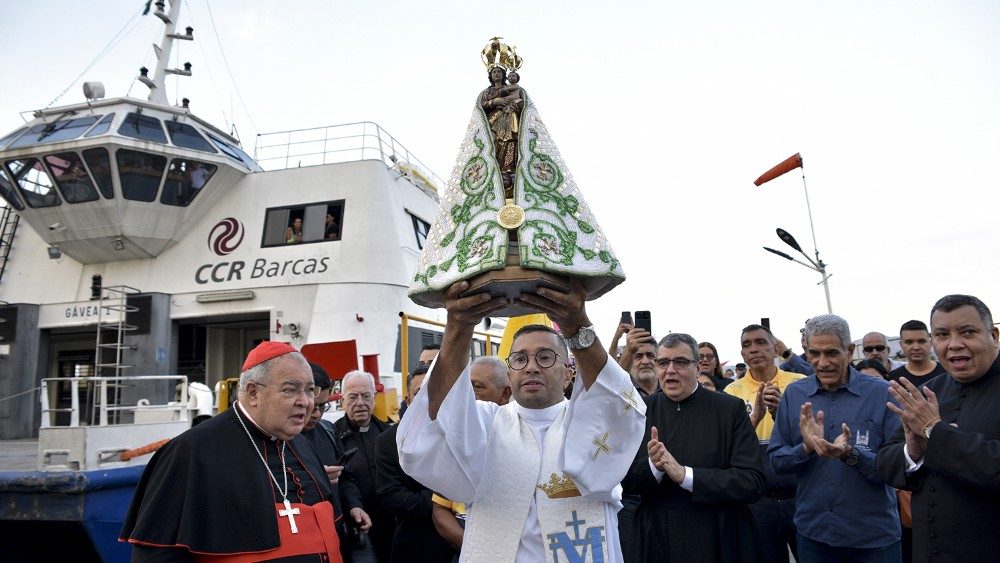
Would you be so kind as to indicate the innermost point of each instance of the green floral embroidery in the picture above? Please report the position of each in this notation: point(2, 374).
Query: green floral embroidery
point(473, 217)
point(554, 241)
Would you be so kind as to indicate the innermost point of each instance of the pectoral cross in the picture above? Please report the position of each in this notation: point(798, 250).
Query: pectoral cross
point(290, 513)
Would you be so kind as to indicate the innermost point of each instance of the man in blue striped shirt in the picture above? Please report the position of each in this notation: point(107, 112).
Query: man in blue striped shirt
point(828, 429)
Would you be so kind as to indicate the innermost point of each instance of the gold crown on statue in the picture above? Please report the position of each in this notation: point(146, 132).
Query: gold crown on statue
point(560, 487)
point(499, 54)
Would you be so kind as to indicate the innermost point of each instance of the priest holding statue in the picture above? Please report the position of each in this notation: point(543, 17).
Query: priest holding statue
point(513, 236)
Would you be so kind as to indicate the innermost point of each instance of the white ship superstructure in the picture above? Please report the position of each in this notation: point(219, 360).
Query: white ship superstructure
point(221, 253)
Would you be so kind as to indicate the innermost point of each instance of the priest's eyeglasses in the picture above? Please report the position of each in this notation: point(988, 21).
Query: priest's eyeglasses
point(679, 363)
point(545, 358)
point(325, 407)
point(292, 391)
point(354, 397)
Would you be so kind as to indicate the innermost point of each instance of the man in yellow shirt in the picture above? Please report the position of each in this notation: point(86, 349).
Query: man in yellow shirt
point(761, 390)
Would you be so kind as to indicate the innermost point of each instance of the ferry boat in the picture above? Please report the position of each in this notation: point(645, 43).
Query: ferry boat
point(143, 250)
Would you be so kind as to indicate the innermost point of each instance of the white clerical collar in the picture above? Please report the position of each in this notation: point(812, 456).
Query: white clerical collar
point(252, 421)
point(546, 415)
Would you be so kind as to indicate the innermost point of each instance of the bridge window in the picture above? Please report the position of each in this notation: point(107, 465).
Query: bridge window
point(34, 182)
point(58, 130)
point(100, 168)
point(183, 135)
point(101, 127)
point(185, 178)
point(420, 229)
point(233, 152)
point(71, 177)
point(7, 191)
point(143, 127)
point(314, 222)
point(140, 174)
point(7, 139)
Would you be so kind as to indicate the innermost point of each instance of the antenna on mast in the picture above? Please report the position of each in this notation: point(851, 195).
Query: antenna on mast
point(157, 93)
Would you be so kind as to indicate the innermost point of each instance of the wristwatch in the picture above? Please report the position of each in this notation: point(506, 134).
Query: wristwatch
point(928, 428)
point(584, 338)
point(851, 457)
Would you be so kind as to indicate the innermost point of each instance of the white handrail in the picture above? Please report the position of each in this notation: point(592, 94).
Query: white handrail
point(346, 142)
point(101, 384)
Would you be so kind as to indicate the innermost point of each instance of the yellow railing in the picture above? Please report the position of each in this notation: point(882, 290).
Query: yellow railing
point(404, 347)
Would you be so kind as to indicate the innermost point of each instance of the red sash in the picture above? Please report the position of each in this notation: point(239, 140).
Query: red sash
point(317, 535)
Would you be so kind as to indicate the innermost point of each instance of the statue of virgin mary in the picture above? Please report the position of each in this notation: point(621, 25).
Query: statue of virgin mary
point(511, 218)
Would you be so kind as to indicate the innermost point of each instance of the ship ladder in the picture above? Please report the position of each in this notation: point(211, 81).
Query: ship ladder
point(8, 226)
point(112, 329)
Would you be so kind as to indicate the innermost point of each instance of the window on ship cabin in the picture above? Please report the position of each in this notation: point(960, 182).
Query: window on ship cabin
point(302, 224)
point(421, 229)
point(7, 191)
point(9, 137)
point(99, 163)
point(232, 151)
point(71, 176)
point(143, 127)
point(140, 174)
point(185, 178)
point(34, 182)
point(185, 136)
point(102, 126)
point(58, 130)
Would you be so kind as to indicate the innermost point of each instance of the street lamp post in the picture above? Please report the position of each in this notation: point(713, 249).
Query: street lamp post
point(815, 265)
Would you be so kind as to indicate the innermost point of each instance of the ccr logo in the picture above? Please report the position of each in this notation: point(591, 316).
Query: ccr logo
point(222, 235)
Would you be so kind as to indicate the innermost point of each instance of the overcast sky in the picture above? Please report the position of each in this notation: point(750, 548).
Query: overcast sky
point(665, 113)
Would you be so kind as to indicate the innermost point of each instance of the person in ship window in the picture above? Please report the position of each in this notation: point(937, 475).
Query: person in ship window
point(199, 175)
point(332, 231)
point(293, 234)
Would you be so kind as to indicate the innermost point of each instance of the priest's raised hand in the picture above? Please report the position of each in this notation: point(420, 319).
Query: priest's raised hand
point(662, 459)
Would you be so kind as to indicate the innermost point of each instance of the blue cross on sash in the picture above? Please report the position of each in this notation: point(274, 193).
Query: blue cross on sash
point(592, 538)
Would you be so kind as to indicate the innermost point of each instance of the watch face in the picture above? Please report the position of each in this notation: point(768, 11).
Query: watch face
point(586, 337)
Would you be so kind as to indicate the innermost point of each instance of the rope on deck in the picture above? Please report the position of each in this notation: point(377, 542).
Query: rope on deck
point(2, 399)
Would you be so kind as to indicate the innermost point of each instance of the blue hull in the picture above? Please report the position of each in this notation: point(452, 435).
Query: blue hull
point(94, 500)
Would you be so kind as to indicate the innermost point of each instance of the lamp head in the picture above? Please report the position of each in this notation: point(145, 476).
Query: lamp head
point(788, 239)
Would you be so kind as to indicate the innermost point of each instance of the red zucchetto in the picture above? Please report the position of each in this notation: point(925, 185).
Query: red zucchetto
point(267, 350)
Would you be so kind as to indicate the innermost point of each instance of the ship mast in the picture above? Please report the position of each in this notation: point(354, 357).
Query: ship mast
point(157, 91)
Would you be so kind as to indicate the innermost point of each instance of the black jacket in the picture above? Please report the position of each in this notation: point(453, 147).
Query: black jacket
point(956, 492)
point(347, 435)
point(416, 540)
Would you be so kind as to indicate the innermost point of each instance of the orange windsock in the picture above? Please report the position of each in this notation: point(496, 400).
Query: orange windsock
point(787, 165)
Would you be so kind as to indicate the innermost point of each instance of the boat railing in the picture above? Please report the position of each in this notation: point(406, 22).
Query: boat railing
point(89, 396)
point(348, 142)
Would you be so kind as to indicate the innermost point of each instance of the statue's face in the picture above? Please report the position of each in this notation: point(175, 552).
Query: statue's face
point(496, 74)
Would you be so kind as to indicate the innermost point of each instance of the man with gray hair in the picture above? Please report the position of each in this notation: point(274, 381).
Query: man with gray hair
point(490, 380)
point(359, 428)
point(843, 509)
point(697, 470)
point(189, 498)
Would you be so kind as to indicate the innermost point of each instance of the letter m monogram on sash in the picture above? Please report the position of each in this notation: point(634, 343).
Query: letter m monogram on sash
point(593, 539)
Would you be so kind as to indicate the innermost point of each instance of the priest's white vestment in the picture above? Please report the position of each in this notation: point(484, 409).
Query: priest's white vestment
point(541, 484)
